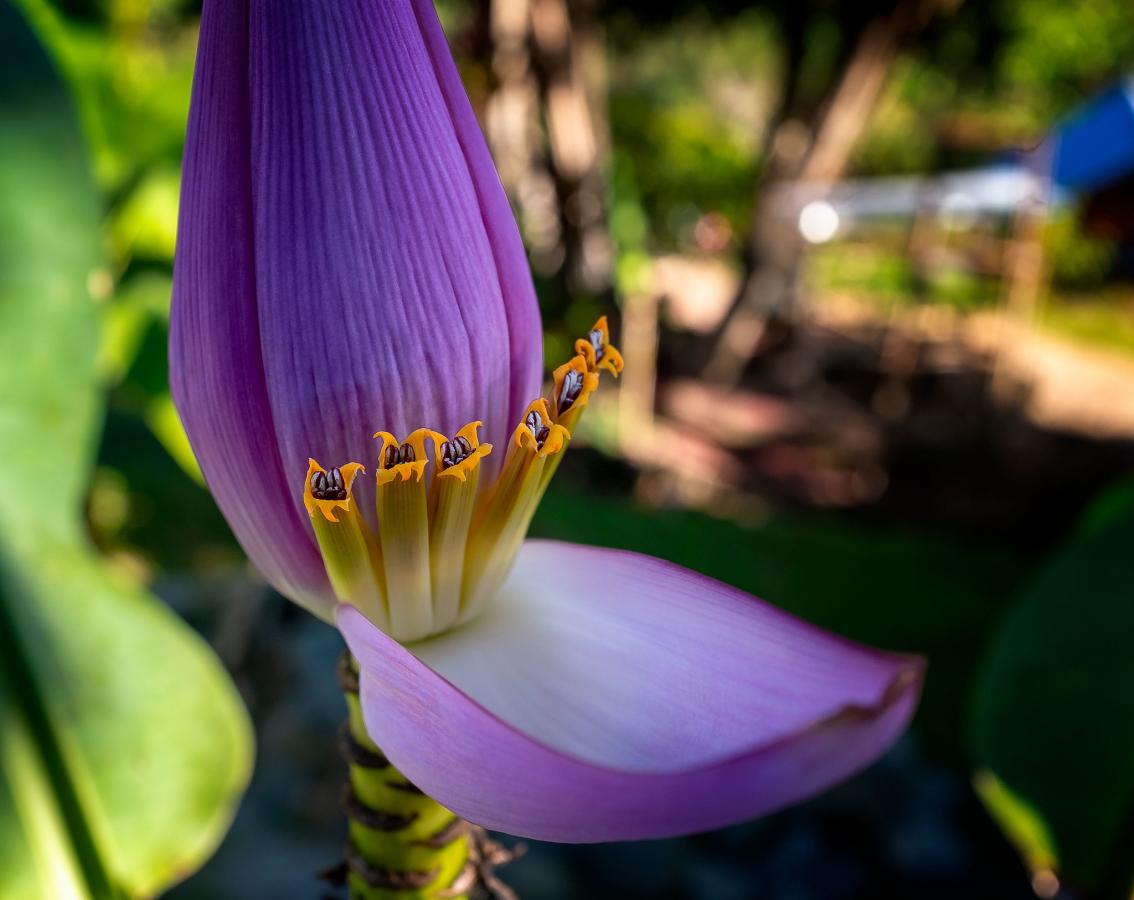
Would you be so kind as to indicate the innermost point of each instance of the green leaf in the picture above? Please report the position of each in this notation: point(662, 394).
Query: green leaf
point(1053, 715)
point(129, 68)
point(123, 744)
point(1021, 824)
point(1109, 506)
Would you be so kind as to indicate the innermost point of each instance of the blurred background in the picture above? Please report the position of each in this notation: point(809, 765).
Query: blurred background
point(871, 267)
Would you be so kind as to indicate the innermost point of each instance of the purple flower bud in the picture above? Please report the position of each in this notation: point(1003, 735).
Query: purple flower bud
point(347, 261)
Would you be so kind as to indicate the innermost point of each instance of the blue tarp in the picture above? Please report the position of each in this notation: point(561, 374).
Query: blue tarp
point(1095, 146)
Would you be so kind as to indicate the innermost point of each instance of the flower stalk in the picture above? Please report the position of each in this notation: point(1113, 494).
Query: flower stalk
point(401, 844)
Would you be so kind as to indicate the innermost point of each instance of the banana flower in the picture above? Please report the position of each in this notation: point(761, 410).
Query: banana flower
point(356, 356)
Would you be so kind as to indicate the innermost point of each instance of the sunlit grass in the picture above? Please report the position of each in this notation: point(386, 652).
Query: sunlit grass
point(884, 279)
point(1105, 319)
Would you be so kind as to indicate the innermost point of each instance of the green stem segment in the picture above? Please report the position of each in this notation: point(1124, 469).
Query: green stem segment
point(402, 844)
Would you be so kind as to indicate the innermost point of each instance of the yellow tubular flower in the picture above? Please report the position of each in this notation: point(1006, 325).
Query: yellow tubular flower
point(503, 516)
point(571, 387)
point(446, 540)
point(350, 553)
point(452, 499)
point(403, 529)
point(598, 351)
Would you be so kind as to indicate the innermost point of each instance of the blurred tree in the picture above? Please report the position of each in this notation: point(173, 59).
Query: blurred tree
point(810, 137)
point(546, 121)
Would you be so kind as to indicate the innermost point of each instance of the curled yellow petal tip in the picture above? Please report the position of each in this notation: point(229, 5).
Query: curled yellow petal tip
point(539, 432)
point(457, 457)
point(328, 490)
point(571, 387)
point(598, 351)
point(404, 459)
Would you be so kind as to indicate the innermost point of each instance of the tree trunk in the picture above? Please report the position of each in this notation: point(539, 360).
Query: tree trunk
point(820, 153)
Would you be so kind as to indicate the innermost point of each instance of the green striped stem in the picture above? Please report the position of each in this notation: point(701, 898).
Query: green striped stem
point(403, 845)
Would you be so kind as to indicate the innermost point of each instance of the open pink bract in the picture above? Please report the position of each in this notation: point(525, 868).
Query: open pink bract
point(613, 696)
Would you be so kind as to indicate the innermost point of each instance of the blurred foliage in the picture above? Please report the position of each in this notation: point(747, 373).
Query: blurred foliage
point(878, 265)
point(688, 104)
point(1053, 715)
point(129, 64)
point(1057, 54)
point(123, 747)
point(886, 274)
point(992, 76)
point(692, 91)
point(1077, 259)
point(1110, 507)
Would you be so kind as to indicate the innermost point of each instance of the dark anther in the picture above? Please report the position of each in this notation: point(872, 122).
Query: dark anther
point(397, 455)
point(455, 451)
point(328, 485)
point(534, 422)
point(569, 392)
point(596, 342)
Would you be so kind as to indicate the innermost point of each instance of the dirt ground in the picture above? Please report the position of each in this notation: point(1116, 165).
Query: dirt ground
point(978, 424)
